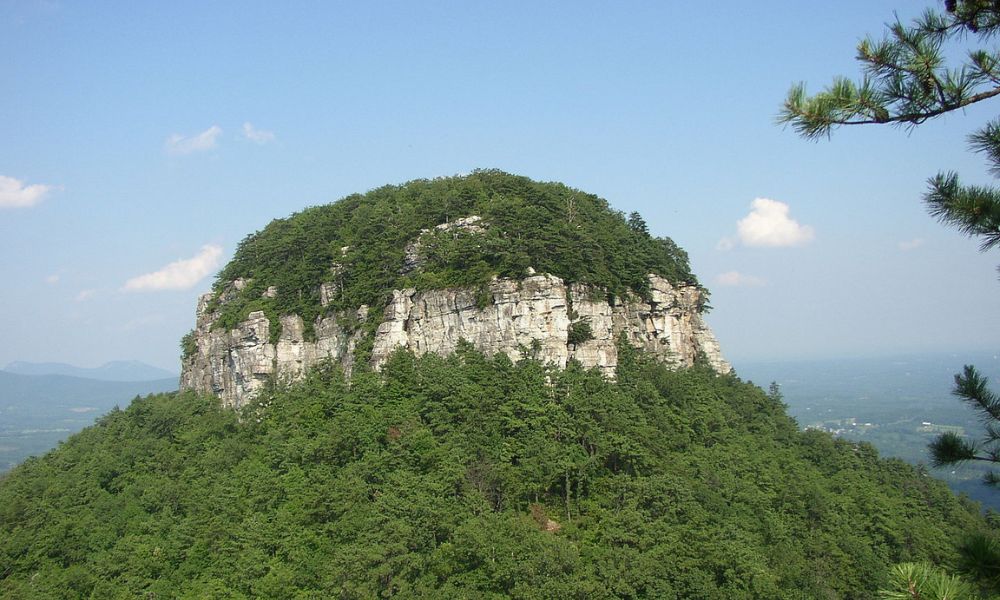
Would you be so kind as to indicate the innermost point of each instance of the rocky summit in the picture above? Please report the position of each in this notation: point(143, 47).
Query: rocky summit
point(490, 387)
point(551, 310)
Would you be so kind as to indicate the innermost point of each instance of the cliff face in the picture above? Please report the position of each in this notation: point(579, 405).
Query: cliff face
point(540, 315)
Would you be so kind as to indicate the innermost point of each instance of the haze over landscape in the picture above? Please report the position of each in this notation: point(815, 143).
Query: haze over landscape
point(508, 300)
point(144, 142)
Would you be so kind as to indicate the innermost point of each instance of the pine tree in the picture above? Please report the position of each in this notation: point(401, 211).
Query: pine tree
point(949, 448)
point(922, 581)
point(906, 82)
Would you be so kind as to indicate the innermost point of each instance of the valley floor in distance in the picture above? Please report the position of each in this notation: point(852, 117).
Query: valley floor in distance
point(899, 404)
point(39, 411)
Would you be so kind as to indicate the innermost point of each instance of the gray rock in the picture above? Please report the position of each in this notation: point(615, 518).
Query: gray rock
point(327, 292)
point(412, 259)
point(521, 314)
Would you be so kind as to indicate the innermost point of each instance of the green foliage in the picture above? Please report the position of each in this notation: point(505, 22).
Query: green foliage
point(949, 448)
point(580, 332)
point(189, 346)
point(922, 581)
point(469, 477)
point(972, 209)
point(979, 557)
point(906, 82)
point(359, 243)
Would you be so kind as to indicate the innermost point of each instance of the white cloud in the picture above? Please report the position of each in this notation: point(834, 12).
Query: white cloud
point(199, 142)
point(52, 279)
point(14, 194)
point(85, 295)
point(258, 136)
point(737, 279)
point(768, 224)
point(178, 275)
point(913, 244)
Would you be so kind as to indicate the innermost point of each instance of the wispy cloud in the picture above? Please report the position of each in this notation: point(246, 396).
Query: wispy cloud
point(258, 136)
point(913, 244)
point(85, 295)
point(186, 144)
point(15, 194)
point(769, 224)
point(52, 279)
point(178, 275)
point(737, 279)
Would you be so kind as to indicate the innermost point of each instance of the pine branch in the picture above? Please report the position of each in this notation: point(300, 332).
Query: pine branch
point(973, 210)
point(992, 433)
point(980, 17)
point(973, 388)
point(949, 449)
point(905, 81)
point(987, 141)
point(817, 116)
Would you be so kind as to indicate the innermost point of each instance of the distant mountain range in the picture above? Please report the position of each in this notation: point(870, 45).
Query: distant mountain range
point(38, 411)
point(37, 391)
point(42, 404)
point(118, 370)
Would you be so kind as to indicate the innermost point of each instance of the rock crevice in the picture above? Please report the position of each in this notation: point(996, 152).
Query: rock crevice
point(533, 314)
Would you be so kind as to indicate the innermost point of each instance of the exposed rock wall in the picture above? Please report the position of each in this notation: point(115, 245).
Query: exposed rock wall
point(537, 311)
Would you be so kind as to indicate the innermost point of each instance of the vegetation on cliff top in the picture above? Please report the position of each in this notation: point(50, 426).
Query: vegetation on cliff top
point(467, 477)
point(359, 243)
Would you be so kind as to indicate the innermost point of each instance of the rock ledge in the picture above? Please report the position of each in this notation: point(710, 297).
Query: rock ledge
point(532, 313)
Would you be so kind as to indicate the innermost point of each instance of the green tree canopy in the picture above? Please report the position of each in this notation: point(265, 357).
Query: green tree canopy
point(906, 81)
point(360, 243)
point(470, 477)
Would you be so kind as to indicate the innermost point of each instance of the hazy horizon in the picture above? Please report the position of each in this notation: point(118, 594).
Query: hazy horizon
point(143, 142)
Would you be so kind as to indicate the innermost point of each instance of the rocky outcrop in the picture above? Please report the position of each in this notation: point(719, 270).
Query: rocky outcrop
point(533, 316)
point(413, 258)
point(234, 365)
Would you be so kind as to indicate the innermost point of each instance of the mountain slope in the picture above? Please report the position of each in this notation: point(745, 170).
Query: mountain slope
point(363, 243)
point(455, 472)
point(469, 477)
point(511, 265)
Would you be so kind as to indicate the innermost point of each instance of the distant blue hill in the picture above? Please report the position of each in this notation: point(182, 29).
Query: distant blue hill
point(118, 370)
point(39, 390)
point(39, 411)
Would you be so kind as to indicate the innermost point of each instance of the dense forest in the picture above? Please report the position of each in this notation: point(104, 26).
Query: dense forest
point(470, 476)
point(466, 476)
point(359, 243)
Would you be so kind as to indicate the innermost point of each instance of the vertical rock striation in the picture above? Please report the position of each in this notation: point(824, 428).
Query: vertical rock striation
point(532, 316)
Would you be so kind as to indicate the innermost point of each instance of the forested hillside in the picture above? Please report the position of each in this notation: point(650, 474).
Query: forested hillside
point(465, 476)
point(469, 477)
point(359, 243)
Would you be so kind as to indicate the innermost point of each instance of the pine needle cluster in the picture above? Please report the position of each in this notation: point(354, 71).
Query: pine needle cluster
point(906, 81)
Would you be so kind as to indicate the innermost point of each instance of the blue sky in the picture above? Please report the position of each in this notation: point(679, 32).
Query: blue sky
point(136, 136)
